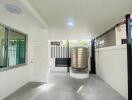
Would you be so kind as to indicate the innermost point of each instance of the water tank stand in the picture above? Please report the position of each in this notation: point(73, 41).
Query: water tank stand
point(79, 74)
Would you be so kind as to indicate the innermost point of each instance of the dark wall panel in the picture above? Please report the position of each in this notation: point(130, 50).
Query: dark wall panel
point(109, 39)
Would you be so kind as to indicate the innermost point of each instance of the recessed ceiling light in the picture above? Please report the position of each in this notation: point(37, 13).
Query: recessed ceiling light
point(13, 9)
point(70, 23)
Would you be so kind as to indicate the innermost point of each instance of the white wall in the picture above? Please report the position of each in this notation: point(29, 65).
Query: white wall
point(111, 66)
point(120, 34)
point(40, 55)
point(11, 80)
point(63, 34)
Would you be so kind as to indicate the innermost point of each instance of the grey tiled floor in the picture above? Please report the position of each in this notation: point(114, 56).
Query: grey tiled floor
point(62, 87)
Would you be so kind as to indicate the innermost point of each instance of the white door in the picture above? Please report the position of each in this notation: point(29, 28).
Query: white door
point(40, 62)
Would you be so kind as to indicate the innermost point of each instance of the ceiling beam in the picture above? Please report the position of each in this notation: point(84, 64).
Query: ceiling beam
point(34, 12)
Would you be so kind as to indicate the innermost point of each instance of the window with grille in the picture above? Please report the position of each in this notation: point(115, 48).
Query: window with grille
point(12, 47)
point(59, 49)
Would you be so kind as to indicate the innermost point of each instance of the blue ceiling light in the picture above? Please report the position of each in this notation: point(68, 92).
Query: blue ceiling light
point(70, 23)
point(13, 8)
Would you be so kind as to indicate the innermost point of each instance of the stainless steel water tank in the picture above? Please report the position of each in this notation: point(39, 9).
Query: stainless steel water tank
point(79, 57)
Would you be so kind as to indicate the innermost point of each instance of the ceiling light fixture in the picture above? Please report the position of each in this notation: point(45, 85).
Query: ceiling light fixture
point(13, 9)
point(70, 23)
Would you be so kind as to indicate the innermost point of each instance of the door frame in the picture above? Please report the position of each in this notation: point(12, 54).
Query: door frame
point(93, 63)
point(129, 55)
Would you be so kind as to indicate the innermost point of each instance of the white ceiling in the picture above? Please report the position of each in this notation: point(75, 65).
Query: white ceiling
point(24, 21)
point(91, 16)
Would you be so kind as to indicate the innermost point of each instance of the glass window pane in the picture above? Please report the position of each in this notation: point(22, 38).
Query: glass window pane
point(3, 46)
point(16, 48)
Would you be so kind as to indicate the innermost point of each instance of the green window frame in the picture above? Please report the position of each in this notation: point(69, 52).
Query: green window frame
point(12, 47)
